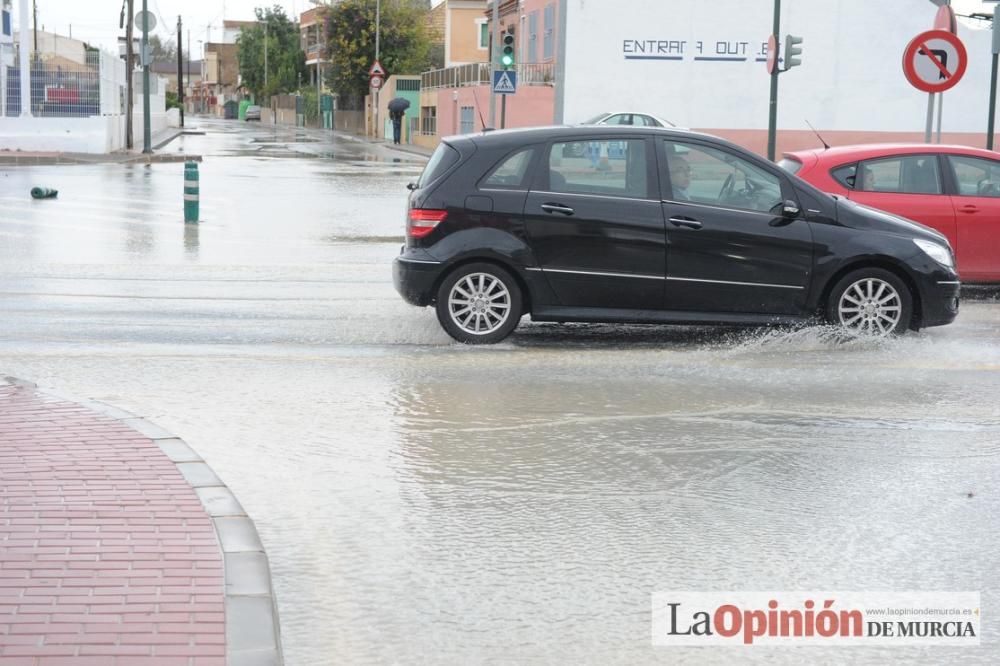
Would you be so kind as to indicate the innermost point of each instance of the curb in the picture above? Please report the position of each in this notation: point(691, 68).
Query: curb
point(253, 636)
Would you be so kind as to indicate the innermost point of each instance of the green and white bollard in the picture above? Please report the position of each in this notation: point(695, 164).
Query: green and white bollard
point(191, 204)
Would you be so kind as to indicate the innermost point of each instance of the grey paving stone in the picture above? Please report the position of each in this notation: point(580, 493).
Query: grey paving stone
point(247, 574)
point(108, 410)
point(238, 535)
point(253, 658)
point(220, 502)
point(148, 429)
point(249, 624)
point(199, 474)
point(178, 451)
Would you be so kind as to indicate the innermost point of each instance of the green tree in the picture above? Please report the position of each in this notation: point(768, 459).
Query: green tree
point(162, 50)
point(404, 44)
point(285, 61)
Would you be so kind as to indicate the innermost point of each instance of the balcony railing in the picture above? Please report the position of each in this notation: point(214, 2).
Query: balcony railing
point(479, 73)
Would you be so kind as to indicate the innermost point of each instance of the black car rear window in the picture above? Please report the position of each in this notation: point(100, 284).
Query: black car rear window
point(444, 158)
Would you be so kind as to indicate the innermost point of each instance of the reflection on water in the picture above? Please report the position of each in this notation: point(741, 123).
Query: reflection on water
point(192, 231)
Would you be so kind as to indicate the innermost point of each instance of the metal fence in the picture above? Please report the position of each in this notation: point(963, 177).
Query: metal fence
point(479, 73)
point(66, 88)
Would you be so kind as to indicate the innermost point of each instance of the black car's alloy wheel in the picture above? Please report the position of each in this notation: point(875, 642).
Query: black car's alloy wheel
point(871, 301)
point(479, 303)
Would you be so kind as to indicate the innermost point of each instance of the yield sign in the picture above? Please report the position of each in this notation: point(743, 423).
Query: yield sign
point(935, 61)
point(377, 69)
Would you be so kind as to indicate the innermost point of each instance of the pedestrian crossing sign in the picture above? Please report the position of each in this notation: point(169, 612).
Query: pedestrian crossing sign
point(504, 81)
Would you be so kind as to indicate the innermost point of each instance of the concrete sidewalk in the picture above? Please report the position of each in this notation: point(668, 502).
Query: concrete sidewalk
point(119, 546)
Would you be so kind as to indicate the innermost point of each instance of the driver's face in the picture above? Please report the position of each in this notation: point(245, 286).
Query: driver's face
point(680, 173)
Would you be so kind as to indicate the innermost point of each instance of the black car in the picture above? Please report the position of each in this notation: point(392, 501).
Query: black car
point(654, 225)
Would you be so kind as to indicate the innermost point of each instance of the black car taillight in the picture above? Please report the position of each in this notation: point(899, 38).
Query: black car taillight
point(423, 221)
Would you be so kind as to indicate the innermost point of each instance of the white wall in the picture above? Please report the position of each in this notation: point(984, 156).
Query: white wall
point(851, 76)
point(96, 134)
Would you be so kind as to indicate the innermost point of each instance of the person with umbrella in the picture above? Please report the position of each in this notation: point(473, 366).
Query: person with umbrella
point(397, 109)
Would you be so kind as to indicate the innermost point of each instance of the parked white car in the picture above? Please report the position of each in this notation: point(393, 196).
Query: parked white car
point(628, 118)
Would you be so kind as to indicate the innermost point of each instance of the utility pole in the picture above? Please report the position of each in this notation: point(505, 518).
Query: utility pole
point(266, 17)
point(34, 11)
point(772, 121)
point(22, 56)
point(494, 41)
point(129, 69)
point(378, 23)
point(188, 85)
point(146, 140)
point(180, 70)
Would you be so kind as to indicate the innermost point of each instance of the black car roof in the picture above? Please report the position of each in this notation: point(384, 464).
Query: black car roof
point(517, 137)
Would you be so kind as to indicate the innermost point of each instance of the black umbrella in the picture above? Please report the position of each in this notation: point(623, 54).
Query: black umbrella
point(399, 104)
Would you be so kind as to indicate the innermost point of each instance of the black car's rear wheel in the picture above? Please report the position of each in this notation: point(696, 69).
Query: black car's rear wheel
point(871, 301)
point(479, 303)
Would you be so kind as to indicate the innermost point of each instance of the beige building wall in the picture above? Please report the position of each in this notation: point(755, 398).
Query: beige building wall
point(463, 27)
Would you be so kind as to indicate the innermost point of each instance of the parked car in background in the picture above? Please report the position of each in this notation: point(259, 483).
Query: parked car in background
point(953, 189)
point(628, 118)
point(616, 118)
point(671, 227)
point(253, 113)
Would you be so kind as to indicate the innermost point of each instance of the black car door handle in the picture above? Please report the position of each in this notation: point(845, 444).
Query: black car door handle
point(557, 208)
point(685, 222)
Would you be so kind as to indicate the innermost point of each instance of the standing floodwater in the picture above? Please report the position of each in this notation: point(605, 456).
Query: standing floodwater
point(424, 502)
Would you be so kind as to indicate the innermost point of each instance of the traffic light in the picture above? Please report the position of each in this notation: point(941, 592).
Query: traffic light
point(507, 49)
point(793, 52)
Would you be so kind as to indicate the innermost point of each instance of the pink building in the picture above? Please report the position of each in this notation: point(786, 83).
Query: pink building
point(456, 100)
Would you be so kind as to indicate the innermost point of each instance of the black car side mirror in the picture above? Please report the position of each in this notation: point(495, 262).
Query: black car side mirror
point(790, 208)
point(411, 186)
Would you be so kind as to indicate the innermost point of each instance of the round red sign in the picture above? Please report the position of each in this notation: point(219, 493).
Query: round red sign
point(772, 54)
point(934, 61)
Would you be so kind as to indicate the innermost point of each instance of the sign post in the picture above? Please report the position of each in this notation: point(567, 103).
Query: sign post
point(376, 76)
point(772, 117)
point(991, 122)
point(934, 61)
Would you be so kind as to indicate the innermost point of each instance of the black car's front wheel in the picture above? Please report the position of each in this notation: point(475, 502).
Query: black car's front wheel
point(479, 303)
point(871, 301)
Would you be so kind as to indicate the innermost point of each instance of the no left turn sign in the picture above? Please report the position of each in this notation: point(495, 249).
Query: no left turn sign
point(934, 61)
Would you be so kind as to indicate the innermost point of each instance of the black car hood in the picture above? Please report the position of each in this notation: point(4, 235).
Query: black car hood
point(858, 216)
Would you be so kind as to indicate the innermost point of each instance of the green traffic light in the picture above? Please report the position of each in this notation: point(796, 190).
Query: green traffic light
point(506, 60)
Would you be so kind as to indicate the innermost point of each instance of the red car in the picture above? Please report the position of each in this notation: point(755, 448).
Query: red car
point(954, 189)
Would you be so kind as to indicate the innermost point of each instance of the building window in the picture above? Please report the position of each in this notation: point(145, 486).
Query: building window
point(6, 22)
point(484, 34)
point(532, 37)
point(468, 120)
point(550, 28)
point(428, 120)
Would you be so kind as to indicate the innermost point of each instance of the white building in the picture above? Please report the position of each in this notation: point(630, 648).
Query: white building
point(700, 64)
point(70, 99)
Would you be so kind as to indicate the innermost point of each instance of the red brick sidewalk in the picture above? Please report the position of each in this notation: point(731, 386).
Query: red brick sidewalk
point(107, 556)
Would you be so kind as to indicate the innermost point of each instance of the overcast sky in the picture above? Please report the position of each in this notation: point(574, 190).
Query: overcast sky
point(96, 21)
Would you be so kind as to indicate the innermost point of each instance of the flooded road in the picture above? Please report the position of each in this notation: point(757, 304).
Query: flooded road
point(424, 502)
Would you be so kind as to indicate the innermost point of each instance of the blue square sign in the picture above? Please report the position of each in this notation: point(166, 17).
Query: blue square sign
point(504, 81)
